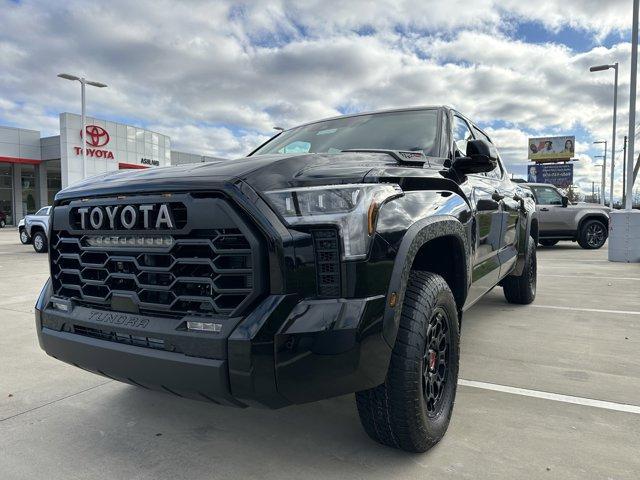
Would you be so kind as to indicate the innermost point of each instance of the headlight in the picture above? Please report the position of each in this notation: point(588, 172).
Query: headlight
point(353, 208)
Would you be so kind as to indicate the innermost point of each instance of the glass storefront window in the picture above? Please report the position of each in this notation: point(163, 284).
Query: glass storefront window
point(54, 180)
point(6, 191)
point(29, 189)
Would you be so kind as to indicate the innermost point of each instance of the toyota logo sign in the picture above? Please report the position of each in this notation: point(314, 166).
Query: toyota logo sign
point(96, 136)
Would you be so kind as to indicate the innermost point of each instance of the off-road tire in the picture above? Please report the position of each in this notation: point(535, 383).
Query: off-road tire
point(24, 237)
point(522, 289)
point(548, 243)
point(40, 242)
point(403, 412)
point(587, 240)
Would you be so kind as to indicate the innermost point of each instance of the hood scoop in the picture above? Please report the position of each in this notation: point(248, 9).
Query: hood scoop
point(406, 157)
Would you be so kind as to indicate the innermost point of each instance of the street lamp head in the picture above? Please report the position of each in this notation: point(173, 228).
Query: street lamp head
point(96, 84)
point(66, 76)
point(599, 141)
point(599, 68)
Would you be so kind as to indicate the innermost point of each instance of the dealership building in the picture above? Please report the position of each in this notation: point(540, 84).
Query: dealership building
point(34, 168)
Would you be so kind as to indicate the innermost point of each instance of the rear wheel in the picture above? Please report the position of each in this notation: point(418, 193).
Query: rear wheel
point(40, 242)
point(522, 289)
point(548, 243)
point(592, 235)
point(3, 223)
point(411, 410)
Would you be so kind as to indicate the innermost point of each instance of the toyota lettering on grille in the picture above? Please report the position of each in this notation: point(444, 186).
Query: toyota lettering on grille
point(127, 217)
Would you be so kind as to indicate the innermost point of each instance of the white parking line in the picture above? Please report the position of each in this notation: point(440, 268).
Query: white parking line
point(591, 277)
point(556, 397)
point(577, 259)
point(596, 310)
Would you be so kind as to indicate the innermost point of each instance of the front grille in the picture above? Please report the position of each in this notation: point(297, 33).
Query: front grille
point(211, 272)
point(327, 251)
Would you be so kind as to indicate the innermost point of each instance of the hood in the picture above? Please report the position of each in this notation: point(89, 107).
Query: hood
point(596, 206)
point(262, 172)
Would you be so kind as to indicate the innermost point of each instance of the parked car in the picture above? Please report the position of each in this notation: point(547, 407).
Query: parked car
point(559, 219)
point(22, 232)
point(338, 257)
point(33, 229)
point(3, 219)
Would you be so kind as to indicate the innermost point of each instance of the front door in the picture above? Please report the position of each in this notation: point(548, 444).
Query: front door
point(553, 217)
point(488, 214)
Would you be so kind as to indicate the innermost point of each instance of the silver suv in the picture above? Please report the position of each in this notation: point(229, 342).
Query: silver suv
point(558, 219)
point(33, 229)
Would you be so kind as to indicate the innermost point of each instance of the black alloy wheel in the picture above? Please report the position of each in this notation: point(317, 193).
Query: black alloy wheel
point(436, 361)
point(593, 235)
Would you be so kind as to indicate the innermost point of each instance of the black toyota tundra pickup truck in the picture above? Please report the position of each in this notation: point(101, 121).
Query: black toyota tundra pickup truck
point(338, 257)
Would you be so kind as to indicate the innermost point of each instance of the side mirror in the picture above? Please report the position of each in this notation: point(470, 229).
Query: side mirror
point(481, 157)
point(565, 202)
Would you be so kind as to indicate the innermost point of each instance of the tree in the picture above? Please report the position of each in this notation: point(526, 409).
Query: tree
point(572, 193)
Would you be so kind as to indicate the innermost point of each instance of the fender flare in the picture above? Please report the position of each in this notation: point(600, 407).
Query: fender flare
point(38, 225)
point(592, 216)
point(414, 239)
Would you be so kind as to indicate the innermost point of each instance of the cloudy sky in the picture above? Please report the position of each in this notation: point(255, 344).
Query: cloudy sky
point(217, 76)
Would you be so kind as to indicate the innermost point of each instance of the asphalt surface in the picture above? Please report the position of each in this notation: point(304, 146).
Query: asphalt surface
point(581, 338)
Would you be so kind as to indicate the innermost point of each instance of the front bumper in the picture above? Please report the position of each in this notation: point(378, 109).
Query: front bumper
point(286, 351)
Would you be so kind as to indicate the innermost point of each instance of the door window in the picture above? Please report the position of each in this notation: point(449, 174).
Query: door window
point(547, 196)
point(496, 172)
point(461, 135)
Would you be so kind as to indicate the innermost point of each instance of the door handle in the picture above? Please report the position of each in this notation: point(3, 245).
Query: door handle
point(497, 196)
point(544, 209)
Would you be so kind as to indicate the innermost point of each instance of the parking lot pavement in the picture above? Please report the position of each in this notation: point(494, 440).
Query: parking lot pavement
point(581, 338)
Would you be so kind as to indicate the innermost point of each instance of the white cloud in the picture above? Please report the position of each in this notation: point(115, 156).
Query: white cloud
point(217, 76)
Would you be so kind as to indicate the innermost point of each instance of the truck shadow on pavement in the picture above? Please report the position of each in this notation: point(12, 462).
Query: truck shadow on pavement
point(323, 436)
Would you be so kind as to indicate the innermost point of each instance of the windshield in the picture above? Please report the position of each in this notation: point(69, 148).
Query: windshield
point(414, 130)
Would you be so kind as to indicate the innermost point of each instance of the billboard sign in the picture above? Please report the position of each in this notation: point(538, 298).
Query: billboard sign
point(558, 174)
point(551, 148)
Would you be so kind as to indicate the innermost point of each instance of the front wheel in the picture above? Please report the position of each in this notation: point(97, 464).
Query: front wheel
point(592, 235)
point(522, 289)
point(3, 223)
point(40, 242)
point(24, 236)
point(411, 410)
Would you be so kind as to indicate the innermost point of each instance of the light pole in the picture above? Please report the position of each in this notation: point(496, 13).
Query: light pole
point(604, 170)
point(599, 68)
point(83, 81)
point(632, 106)
point(624, 171)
